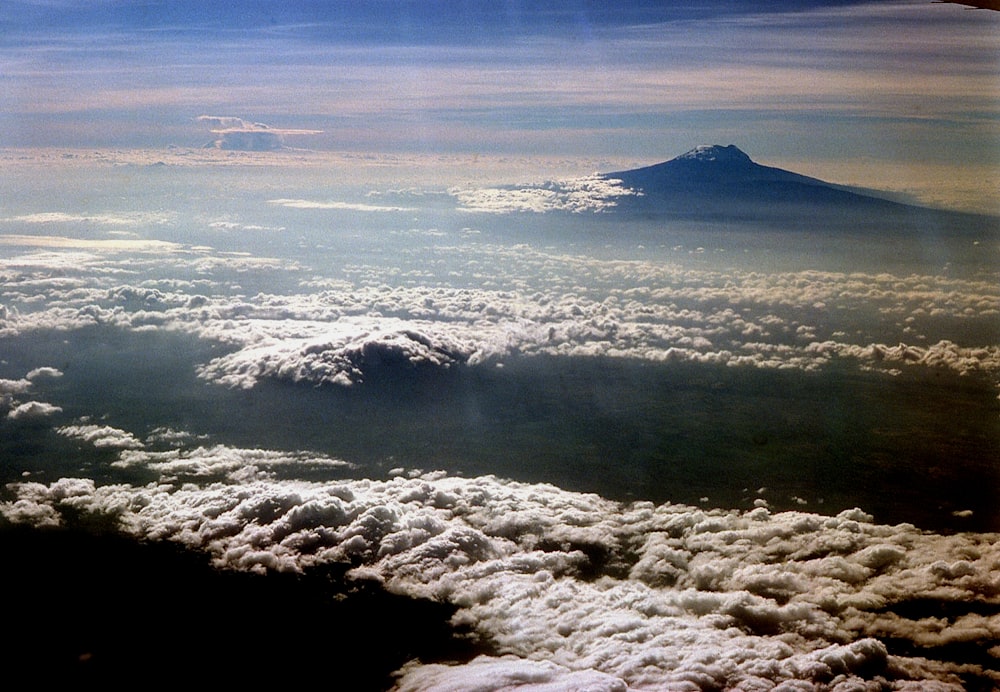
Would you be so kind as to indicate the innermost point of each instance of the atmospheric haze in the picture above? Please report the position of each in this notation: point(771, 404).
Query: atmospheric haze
point(452, 381)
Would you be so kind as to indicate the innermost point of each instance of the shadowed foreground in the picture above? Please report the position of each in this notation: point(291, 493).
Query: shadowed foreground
point(82, 607)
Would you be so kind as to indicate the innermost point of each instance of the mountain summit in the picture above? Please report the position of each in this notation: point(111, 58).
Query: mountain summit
point(729, 153)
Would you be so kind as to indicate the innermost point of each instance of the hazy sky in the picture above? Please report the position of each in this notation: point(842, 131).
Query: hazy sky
point(846, 90)
point(627, 450)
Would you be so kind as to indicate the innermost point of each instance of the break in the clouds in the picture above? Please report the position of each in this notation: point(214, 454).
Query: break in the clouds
point(569, 589)
point(241, 135)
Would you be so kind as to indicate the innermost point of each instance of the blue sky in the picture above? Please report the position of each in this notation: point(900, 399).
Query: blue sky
point(851, 89)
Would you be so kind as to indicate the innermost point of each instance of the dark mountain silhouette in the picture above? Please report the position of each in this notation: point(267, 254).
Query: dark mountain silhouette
point(724, 180)
point(722, 183)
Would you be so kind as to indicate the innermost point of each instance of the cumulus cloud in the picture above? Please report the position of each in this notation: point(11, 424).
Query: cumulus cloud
point(589, 194)
point(506, 673)
point(572, 591)
point(495, 301)
point(11, 391)
point(32, 410)
point(222, 461)
point(8, 388)
point(325, 337)
point(170, 436)
point(565, 590)
point(101, 436)
point(44, 371)
point(242, 135)
point(344, 353)
point(943, 354)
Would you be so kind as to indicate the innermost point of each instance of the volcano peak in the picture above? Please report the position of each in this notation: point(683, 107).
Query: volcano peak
point(716, 153)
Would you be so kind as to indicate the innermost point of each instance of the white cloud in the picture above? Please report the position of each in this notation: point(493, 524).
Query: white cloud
point(226, 122)
point(43, 372)
point(343, 353)
point(344, 206)
point(10, 387)
point(32, 409)
point(250, 227)
point(220, 460)
point(485, 674)
point(590, 194)
point(171, 436)
point(101, 436)
point(114, 245)
point(101, 219)
point(500, 300)
point(573, 590)
point(943, 354)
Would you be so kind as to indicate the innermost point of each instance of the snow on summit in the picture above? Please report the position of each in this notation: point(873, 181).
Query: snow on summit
point(715, 152)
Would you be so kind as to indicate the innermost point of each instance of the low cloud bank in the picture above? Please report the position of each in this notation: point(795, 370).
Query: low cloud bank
point(574, 591)
point(555, 305)
point(588, 194)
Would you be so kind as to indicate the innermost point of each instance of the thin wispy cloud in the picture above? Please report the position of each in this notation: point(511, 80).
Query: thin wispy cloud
point(335, 205)
point(115, 244)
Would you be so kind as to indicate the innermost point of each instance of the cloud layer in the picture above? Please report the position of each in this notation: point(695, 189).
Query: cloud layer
point(570, 589)
point(532, 302)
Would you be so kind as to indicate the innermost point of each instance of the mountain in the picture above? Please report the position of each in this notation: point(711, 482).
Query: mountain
point(724, 181)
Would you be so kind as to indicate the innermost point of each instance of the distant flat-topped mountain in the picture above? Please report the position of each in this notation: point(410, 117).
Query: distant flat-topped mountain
point(725, 181)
